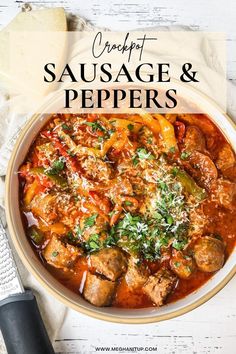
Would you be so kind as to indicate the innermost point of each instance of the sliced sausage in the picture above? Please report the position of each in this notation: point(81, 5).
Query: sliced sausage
point(209, 254)
point(136, 275)
point(194, 139)
point(160, 285)
point(110, 262)
point(44, 206)
point(59, 255)
point(98, 291)
point(226, 158)
point(203, 169)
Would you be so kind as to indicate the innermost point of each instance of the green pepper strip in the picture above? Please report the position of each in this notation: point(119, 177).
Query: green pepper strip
point(190, 185)
point(58, 180)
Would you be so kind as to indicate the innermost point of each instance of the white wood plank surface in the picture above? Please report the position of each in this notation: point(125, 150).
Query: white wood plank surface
point(212, 327)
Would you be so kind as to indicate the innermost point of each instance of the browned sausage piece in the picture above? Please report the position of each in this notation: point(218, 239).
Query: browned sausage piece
point(226, 158)
point(136, 275)
point(110, 262)
point(44, 206)
point(160, 285)
point(204, 169)
point(98, 291)
point(209, 254)
point(182, 265)
point(59, 255)
point(194, 139)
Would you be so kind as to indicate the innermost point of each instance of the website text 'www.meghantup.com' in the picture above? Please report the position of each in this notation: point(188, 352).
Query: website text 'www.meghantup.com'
point(121, 349)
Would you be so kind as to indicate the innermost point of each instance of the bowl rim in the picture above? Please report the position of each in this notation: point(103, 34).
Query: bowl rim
point(63, 298)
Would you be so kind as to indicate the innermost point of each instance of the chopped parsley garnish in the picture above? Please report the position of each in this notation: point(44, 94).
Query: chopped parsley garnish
point(79, 231)
point(72, 238)
point(130, 126)
point(179, 245)
point(70, 153)
point(185, 155)
point(128, 203)
point(55, 254)
point(90, 221)
point(56, 168)
point(142, 154)
point(65, 127)
point(93, 244)
point(95, 126)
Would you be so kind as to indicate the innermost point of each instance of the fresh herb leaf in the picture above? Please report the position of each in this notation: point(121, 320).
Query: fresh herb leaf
point(93, 243)
point(55, 254)
point(95, 126)
point(79, 231)
point(70, 153)
point(130, 126)
point(90, 221)
point(65, 127)
point(179, 245)
point(185, 155)
point(144, 154)
point(56, 168)
point(128, 203)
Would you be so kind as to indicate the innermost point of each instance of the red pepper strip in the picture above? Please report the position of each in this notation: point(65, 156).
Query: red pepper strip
point(92, 117)
point(102, 203)
point(115, 214)
point(70, 160)
point(180, 130)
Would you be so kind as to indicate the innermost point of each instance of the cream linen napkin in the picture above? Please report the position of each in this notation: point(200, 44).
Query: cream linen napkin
point(54, 312)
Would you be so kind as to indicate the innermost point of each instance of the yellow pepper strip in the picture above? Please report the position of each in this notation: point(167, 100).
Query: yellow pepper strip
point(125, 124)
point(122, 139)
point(31, 192)
point(151, 123)
point(135, 118)
point(167, 133)
point(58, 228)
point(171, 117)
point(108, 144)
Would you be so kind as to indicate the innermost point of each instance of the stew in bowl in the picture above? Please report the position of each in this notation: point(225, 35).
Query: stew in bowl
point(130, 211)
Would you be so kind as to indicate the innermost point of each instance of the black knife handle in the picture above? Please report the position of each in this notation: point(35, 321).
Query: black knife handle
point(22, 327)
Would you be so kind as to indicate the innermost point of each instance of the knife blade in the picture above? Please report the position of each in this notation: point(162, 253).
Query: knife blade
point(21, 324)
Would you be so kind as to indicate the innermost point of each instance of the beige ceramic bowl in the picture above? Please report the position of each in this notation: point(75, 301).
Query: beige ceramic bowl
point(217, 282)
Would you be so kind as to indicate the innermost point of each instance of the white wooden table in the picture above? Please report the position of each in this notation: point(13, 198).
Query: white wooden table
point(212, 327)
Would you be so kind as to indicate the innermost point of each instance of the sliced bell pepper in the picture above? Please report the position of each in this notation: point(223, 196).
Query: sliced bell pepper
point(189, 185)
point(58, 180)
